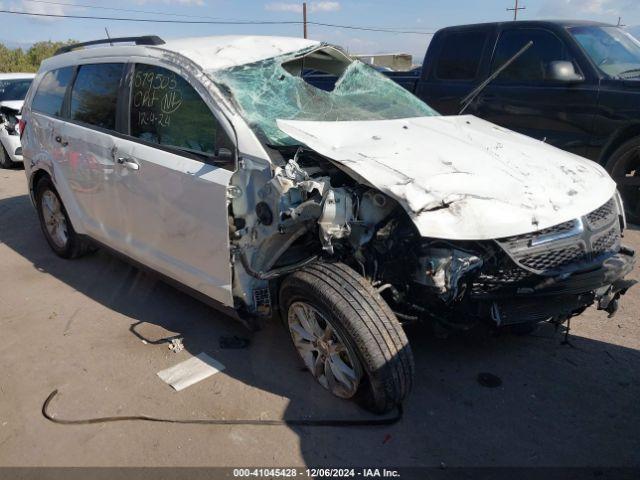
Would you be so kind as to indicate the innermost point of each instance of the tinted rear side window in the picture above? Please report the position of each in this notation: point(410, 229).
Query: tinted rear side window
point(167, 110)
point(50, 93)
point(94, 95)
point(460, 55)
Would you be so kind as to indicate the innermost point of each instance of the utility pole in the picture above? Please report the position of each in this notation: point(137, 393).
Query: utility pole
point(304, 18)
point(515, 10)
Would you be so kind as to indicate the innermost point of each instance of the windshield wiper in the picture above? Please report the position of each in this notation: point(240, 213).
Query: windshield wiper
point(466, 101)
point(633, 70)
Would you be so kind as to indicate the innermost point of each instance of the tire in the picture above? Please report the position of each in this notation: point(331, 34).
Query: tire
point(5, 160)
point(63, 239)
point(375, 345)
point(623, 161)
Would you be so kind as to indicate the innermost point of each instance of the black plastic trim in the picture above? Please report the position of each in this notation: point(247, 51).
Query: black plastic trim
point(143, 40)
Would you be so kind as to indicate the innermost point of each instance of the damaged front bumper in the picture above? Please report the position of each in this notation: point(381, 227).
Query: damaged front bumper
point(563, 296)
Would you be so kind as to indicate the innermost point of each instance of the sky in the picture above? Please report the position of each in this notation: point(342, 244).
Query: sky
point(421, 16)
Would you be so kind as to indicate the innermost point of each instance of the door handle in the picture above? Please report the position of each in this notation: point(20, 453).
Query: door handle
point(60, 141)
point(128, 163)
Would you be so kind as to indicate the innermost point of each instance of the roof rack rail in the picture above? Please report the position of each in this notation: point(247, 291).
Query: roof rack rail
point(144, 40)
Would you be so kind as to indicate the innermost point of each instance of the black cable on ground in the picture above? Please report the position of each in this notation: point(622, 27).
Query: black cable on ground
point(373, 422)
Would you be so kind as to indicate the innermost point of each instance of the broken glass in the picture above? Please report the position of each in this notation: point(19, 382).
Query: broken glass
point(266, 92)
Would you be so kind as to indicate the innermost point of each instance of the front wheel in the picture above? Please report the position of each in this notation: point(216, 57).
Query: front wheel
point(624, 168)
point(347, 336)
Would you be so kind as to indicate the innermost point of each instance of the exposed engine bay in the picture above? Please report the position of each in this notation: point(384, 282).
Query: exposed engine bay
point(309, 209)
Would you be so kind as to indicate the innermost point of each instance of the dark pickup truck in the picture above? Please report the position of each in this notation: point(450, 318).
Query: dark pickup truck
point(577, 87)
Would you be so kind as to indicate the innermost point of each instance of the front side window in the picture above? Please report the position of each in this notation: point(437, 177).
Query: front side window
point(14, 89)
point(166, 110)
point(94, 95)
point(614, 51)
point(532, 66)
point(460, 56)
point(50, 94)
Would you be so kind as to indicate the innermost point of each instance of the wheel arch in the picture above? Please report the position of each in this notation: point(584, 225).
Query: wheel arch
point(70, 205)
point(617, 139)
point(34, 178)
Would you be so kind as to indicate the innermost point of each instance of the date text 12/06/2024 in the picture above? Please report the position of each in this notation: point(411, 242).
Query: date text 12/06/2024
point(316, 472)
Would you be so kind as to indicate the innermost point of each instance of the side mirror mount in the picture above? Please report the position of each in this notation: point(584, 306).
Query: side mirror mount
point(563, 71)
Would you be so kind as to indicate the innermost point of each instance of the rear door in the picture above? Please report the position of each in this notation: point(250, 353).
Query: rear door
point(88, 141)
point(174, 163)
point(523, 99)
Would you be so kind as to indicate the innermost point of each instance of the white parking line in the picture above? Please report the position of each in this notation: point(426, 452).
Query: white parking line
point(191, 371)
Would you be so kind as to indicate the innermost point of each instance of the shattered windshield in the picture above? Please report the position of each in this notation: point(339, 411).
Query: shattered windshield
point(266, 92)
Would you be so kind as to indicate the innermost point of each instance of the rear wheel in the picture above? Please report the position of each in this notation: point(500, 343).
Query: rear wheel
point(347, 336)
point(624, 168)
point(5, 160)
point(55, 223)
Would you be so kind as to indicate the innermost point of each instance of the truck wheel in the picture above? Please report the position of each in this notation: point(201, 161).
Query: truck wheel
point(5, 161)
point(347, 336)
point(624, 167)
point(55, 223)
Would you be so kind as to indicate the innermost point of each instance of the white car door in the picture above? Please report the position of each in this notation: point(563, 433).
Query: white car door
point(173, 169)
point(88, 141)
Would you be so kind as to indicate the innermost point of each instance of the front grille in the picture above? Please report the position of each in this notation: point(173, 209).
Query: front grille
point(551, 250)
point(602, 216)
point(527, 238)
point(609, 241)
point(553, 258)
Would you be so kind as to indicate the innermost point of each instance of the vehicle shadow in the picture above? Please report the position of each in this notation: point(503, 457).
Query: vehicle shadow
point(557, 404)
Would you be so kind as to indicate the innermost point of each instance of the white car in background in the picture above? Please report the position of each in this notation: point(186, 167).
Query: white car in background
point(13, 89)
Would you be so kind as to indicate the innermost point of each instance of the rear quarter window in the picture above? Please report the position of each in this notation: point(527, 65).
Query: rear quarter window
point(460, 55)
point(50, 94)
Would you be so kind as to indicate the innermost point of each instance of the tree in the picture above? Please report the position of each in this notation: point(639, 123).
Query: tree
point(17, 60)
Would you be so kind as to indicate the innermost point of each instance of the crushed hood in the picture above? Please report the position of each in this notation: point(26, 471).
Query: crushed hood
point(13, 104)
point(461, 177)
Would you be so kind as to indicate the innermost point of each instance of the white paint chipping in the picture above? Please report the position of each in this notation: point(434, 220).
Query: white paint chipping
point(191, 371)
point(460, 177)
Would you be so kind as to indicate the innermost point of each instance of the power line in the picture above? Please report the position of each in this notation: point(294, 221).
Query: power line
point(130, 10)
point(207, 22)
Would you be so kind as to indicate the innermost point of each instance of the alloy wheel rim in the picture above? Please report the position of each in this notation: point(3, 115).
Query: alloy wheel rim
point(324, 353)
point(54, 220)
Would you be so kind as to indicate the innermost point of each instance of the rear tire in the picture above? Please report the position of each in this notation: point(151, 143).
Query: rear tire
point(55, 223)
point(376, 347)
point(5, 160)
point(620, 165)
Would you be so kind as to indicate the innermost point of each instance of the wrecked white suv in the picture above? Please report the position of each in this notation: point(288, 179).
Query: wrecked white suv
point(346, 212)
